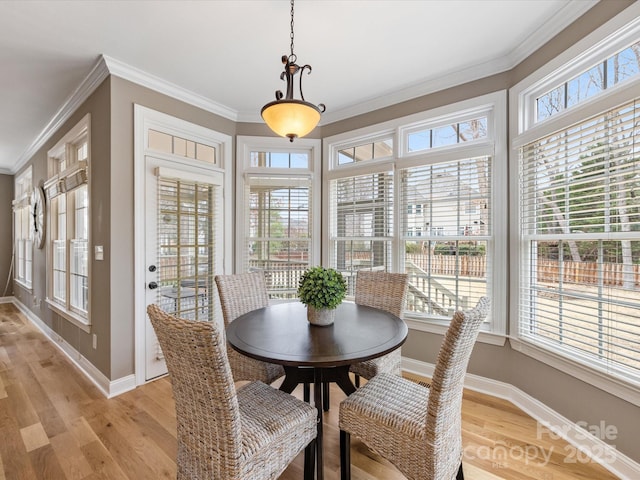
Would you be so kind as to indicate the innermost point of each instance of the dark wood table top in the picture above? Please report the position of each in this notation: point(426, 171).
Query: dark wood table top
point(281, 334)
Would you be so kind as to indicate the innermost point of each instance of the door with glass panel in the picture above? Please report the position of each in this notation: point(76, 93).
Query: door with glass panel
point(183, 226)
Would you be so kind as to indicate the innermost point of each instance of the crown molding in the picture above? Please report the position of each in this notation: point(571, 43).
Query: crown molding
point(567, 15)
point(95, 77)
point(140, 77)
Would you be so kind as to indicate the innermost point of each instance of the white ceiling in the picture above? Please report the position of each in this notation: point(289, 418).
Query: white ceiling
point(365, 54)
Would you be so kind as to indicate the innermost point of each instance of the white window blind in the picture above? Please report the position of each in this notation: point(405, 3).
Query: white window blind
point(22, 220)
point(446, 230)
point(361, 224)
point(278, 224)
point(580, 226)
point(189, 216)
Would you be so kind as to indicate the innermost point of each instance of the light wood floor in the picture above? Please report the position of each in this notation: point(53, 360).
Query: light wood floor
point(54, 424)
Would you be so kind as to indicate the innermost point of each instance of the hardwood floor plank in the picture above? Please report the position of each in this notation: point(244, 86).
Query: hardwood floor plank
point(84, 436)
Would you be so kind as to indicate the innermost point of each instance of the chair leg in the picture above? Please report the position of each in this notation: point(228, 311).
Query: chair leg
point(357, 378)
point(310, 460)
point(306, 393)
point(325, 396)
point(460, 475)
point(345, 455)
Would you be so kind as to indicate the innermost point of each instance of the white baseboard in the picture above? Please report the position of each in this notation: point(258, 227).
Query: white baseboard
point(6, 299)
point(586, 444)
point(109, 388)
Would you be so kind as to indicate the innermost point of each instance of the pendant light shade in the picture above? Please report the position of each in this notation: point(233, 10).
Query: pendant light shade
point(291, 118)
point(287, 116)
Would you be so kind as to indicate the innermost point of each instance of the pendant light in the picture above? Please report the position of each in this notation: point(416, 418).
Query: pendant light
point(289, 117)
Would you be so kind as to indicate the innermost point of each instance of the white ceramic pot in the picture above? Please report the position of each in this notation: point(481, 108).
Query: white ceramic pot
point(321, 316)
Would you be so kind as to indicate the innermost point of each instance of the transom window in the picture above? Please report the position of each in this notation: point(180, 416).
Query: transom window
point(606, 74)
point(444, 135)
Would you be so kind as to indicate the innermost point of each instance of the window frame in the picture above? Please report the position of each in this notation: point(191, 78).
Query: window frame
point(599, 45)
point(494, 105)
point(245, 172)
point(23, 186)
point(76, 174)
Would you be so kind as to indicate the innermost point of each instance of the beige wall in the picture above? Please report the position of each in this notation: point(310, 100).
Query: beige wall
point(6, 235)
point(98, 106)
point(112, 286)
point(124, 95)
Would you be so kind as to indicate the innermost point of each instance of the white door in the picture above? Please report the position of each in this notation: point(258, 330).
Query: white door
point(184, 224)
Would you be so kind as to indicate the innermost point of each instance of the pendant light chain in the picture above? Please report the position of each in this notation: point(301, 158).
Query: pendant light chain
point(292, 55)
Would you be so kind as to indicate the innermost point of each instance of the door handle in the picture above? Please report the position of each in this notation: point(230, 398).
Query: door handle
point(152, 285)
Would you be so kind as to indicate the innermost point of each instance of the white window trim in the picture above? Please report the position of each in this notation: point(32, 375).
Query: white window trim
point(144, 120)
point(247, 144)
point(24, 177)
point(522, 132)
point(81, 129)
point(496, 103)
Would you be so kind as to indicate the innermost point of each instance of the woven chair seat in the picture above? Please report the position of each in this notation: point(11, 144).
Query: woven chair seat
point(399, 417)
point(418, 429)
point(275, 426)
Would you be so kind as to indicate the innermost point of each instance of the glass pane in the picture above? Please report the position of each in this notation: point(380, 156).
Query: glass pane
point(180, 146)
point(364, 152)
point(383, 149)
point(443, 136)
point(160, 141)
point(623, 65)
point(419, 141)
point(585, 85)
point(550, 103)
point(346, 156)
point(190, 149)
point(472, 129)
point(206, 153)
point(79, 274)
point(299, 160)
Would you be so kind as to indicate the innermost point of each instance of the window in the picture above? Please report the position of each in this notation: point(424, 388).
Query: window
point(22, 219)
point(578, 187)
point(278, 204)
point(429, 210)
point(580, 210)
point(362, 224)
point(608, 73)
point(67, 191)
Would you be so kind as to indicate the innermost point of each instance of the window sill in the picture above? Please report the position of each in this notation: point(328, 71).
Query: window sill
point(79, 321)
point(615, 386)
point(28, 288)
point(440, 329)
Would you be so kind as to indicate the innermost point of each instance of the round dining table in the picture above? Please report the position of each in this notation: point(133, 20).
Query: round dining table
point(281, 334)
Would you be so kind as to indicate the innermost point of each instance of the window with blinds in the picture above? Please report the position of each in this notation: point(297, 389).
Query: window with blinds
point(186, 236)
point(580, 227)
point(446, 232)
point(67, 191)
point(361, 224)
point(278, 240)
point(22, 220)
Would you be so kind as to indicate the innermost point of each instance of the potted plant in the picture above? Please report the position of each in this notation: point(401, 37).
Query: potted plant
point(321, 290)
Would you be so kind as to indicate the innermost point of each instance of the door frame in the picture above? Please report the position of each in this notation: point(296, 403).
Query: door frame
point(144, 119)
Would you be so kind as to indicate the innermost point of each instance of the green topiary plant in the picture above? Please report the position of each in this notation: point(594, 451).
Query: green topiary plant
point(322, 287)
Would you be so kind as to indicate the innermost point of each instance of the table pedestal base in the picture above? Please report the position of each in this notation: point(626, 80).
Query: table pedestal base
point(319, 376)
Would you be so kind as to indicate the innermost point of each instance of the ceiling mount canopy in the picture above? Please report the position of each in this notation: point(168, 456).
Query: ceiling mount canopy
point(287, 116)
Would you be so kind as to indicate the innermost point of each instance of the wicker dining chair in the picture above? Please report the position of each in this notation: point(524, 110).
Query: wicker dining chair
point(239, 294)
point(416, 428)
point(385, 291)
point(251, 433)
